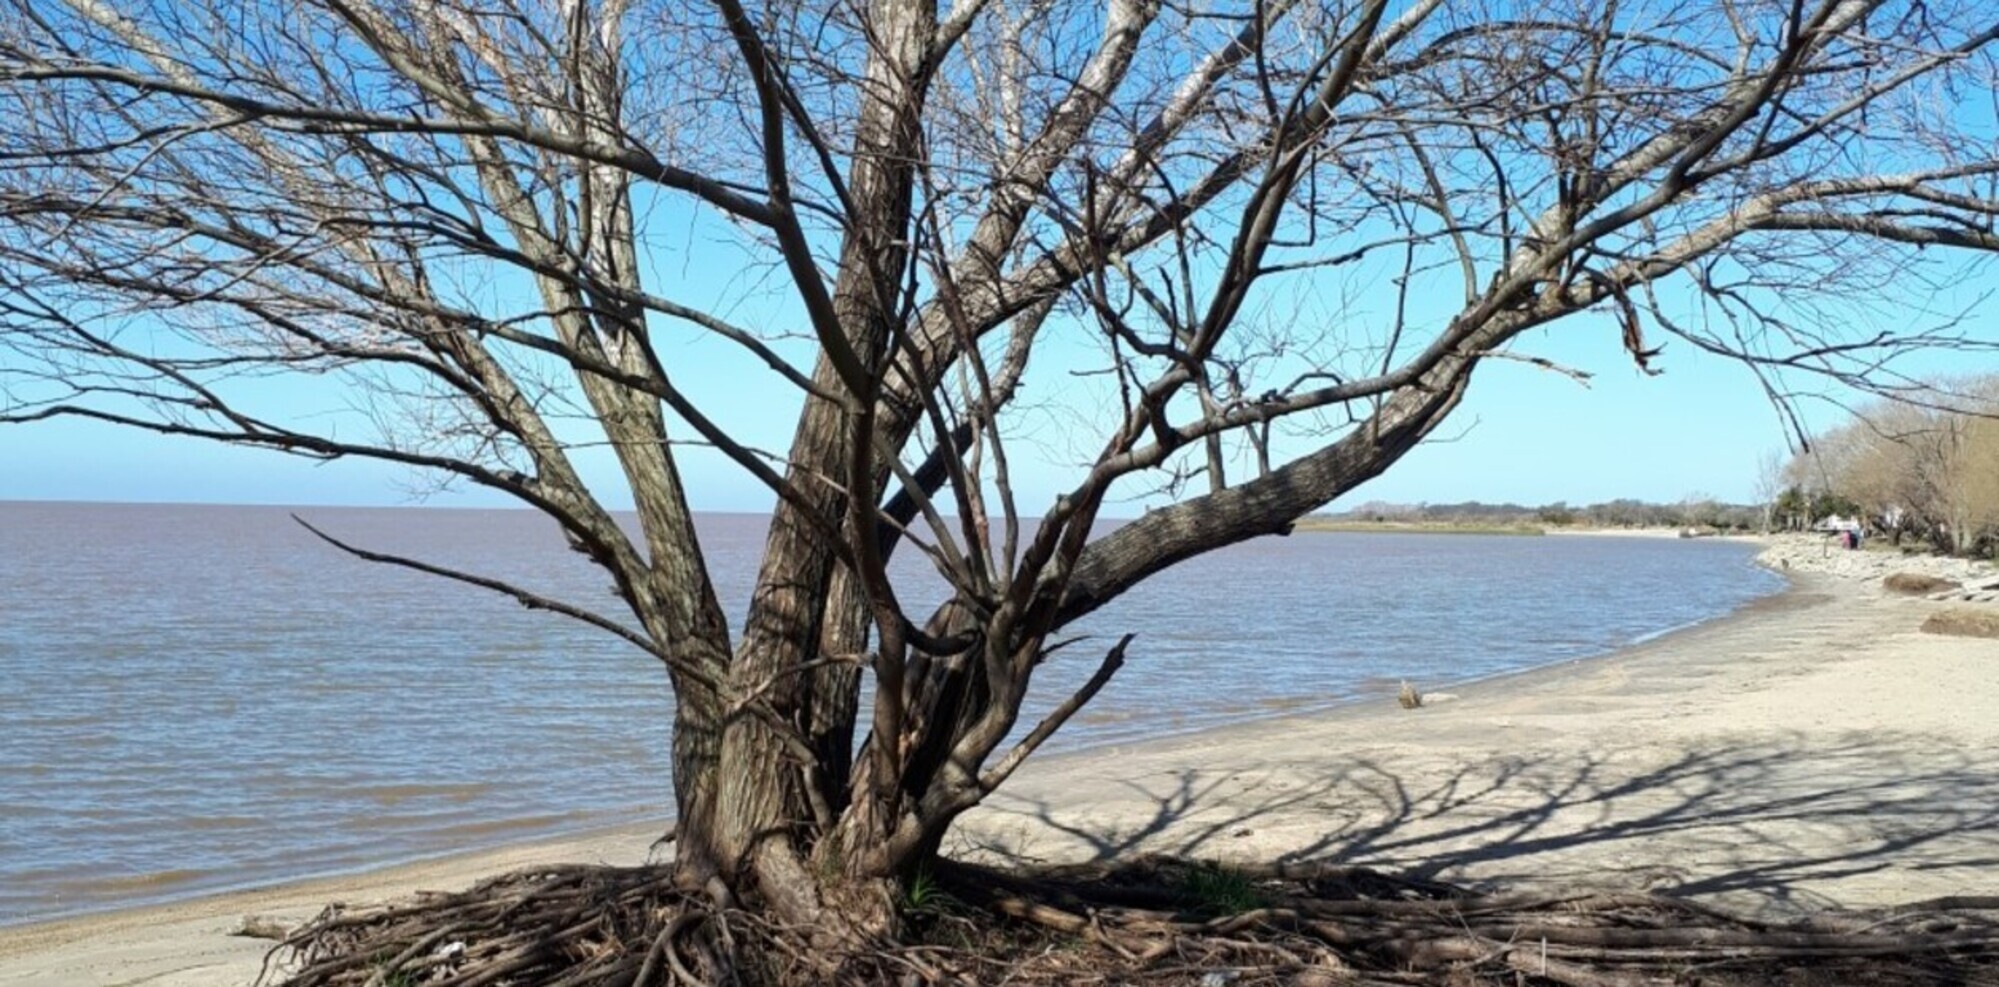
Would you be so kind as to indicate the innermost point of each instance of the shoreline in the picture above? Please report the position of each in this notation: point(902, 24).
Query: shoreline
point(591, 836)
point(1384, 707)
point(1383, 703)
point(504, 834)
point(297, 899)
point(1812, 751)
point(590, 824)
point(192, 941)
point(1530, 529)
point(1322, 780)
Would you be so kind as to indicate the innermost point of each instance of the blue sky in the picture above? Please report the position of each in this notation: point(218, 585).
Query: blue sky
point(1524, 434)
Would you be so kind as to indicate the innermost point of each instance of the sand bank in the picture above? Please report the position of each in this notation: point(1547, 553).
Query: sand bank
point(1812, 751)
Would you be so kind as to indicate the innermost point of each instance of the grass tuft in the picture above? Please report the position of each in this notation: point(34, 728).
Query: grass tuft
point(1217, 890)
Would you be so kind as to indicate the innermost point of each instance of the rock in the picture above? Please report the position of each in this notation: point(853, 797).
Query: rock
point(1963, 622)
point(1814, 554)
point(1409, 697)
point(1918, 584)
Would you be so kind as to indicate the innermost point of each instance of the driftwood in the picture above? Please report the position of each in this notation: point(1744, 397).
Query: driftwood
point(1153, 921)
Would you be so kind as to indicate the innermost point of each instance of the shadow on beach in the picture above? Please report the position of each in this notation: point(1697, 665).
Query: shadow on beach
point(1782, 824)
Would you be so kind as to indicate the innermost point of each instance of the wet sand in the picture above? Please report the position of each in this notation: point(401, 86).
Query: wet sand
point(1812, 751)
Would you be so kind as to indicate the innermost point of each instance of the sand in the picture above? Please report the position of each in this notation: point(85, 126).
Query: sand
point(1813, 751)
point(190, 943)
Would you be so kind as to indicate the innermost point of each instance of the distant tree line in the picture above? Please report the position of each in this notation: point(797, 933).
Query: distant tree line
point(1693, 511)
point(1927, 471)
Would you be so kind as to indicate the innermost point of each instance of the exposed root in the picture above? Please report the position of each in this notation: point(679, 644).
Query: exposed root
point(576, 926)
point(1151, 921)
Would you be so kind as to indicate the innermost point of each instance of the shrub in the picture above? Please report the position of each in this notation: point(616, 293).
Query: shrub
point(1917, 584)
point(1963, 622)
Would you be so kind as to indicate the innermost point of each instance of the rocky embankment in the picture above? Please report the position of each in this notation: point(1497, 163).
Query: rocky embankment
point(1977, 582)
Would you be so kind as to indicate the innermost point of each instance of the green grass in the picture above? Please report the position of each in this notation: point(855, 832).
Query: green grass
point(400, 978)
point(921, 891)
point(923, 894)
point(1216, 890)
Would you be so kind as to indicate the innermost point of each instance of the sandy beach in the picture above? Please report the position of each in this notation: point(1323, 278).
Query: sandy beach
point(1812, 751)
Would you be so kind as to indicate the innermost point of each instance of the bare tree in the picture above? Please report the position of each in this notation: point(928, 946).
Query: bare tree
point(1948, 462)
point(1294, 227)
point(1931, 464)
point(1872, 461)
point(1769, 485)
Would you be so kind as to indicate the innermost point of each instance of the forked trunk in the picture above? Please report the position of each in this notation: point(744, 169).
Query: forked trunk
point(782, 731)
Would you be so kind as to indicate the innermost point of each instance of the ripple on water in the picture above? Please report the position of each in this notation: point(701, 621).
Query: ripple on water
point(203, 697)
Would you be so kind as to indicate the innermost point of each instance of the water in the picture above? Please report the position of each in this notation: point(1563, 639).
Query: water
point(194, 698)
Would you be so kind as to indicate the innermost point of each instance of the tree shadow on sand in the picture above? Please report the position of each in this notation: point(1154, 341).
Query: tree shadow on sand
point(1785, 824)
point(1377, 881)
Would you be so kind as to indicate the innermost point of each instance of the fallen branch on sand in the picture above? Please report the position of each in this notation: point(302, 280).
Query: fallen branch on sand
point(1151, 921)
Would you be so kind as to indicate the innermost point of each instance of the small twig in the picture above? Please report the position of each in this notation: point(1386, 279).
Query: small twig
point(1582, 377)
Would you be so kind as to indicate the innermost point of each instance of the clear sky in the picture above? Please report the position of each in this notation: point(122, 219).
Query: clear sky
point(1524, 434)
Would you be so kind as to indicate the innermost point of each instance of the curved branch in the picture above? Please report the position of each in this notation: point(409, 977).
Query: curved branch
point(526, 598)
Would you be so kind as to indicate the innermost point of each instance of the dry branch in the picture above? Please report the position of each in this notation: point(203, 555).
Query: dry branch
point(1143, 922)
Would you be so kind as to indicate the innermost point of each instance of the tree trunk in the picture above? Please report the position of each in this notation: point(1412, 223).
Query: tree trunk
point(774, 795)
point(697, 747)
point(763, 807)
point(833, 691)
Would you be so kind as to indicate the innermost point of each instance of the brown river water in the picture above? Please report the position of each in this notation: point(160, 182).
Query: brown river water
point(195, 698)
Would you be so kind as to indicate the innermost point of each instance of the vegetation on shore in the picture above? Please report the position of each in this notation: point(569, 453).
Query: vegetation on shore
point(1963, 622)
point(1695, 511)
point(1926, 473)
point(1416, 527)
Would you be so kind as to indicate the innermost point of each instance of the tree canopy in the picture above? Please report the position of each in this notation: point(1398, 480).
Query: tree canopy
point(1307, 219)
point(1930, 468)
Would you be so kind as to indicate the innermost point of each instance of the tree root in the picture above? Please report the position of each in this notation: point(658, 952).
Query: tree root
point(1151, 921)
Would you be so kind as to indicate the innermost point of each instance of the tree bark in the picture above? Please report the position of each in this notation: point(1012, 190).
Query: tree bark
point(766, 822)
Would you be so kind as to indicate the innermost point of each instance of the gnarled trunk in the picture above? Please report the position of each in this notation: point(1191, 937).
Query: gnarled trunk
point(784, 724)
